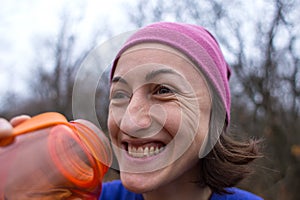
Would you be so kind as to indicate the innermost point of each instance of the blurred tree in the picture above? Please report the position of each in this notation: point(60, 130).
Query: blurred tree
point(261, 42)
point(54, 71)
point(52, 86)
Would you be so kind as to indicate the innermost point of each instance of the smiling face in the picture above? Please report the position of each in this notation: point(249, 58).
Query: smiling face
point(158, 116)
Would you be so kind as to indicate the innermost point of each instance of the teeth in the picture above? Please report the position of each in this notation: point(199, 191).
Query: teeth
point(141, 152)
point(146, 151)
point(151, 151)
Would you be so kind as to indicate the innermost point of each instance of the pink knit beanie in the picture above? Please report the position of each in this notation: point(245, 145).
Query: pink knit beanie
point(196, 43)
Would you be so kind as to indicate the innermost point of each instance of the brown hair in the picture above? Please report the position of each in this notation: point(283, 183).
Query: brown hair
point(227, 163)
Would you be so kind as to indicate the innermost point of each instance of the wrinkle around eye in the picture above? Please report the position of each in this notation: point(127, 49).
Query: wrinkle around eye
point(179, 97)
point(166, 90)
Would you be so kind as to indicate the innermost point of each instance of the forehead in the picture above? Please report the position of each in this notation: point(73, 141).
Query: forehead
point(146, 57)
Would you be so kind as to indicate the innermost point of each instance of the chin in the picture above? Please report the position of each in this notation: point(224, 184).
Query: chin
point(138, 183)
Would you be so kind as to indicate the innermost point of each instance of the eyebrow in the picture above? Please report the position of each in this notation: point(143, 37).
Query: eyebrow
point(118, 79)
point(153, 74)
point(149, 76)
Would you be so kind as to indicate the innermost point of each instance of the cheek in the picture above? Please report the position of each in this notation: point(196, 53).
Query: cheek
point(180, 116)
point(181, 120)
point(191, 124)
point(173, 120)
point(113, 126)
point(190, 115)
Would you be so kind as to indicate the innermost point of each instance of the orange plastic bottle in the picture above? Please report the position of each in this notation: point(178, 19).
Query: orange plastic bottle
point(52, 158)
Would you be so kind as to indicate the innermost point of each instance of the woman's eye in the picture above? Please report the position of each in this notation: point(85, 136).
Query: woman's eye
point(119, 95)
point(163, 90)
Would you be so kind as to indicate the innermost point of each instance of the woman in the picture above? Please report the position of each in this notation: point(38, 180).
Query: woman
point(169, 116)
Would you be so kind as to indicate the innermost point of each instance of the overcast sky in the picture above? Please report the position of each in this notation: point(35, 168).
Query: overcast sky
point(21, 22)
point(24, 22)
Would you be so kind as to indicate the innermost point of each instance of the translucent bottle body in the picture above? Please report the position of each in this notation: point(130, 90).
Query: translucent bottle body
point(62, 161)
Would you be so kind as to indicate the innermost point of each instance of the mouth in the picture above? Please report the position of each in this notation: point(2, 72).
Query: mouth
point(145, 150)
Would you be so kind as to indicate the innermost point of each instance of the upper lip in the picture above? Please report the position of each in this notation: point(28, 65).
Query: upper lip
point(140, 142)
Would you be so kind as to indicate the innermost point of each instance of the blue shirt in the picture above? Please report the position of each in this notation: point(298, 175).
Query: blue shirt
point(114, 190)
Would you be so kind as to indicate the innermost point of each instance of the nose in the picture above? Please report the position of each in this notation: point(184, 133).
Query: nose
point(136, 116)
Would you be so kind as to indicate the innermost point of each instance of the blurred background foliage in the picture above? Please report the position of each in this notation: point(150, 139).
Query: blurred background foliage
point(261, 42)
